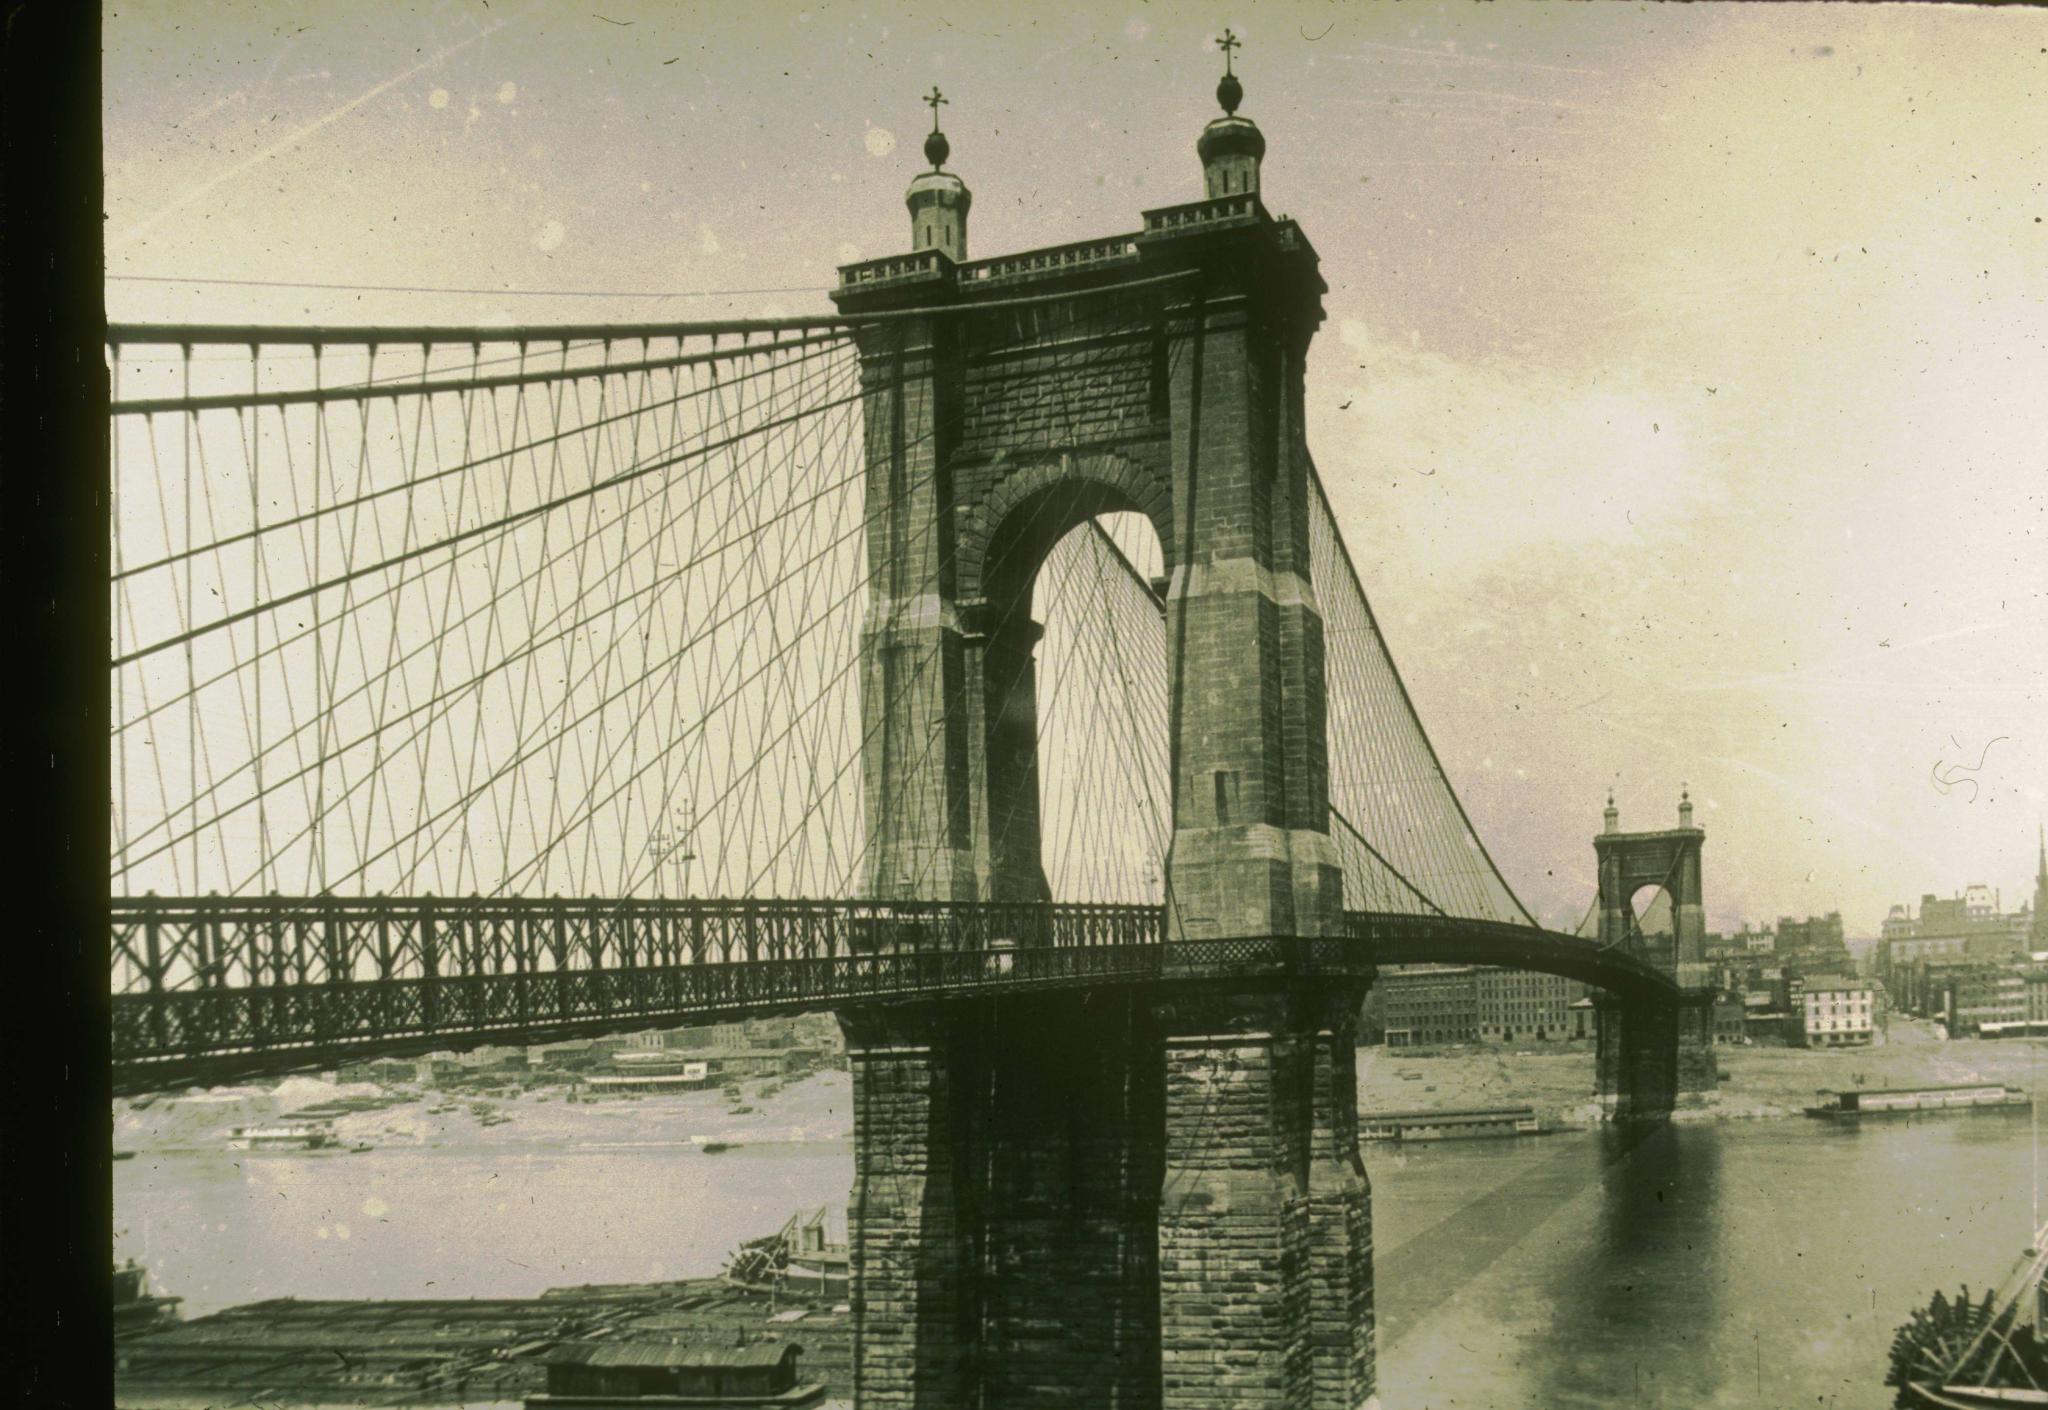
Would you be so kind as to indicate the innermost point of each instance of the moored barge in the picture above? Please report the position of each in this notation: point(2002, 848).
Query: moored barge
point(1909, 1101)
point(284, 1136)
point(1451, 1125)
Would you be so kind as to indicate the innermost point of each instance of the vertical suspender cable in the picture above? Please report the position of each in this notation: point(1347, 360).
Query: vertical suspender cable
point(116, 506)
point(319, 651)
point(191, 426)
point(255, 595)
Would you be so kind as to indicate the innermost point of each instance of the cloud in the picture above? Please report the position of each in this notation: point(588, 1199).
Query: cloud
point(880, 141)
point(1490, 461)
point(508, 91)
point(438, 98)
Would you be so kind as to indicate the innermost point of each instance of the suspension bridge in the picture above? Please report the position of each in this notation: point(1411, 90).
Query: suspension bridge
point(417, 632)
point(981, 661)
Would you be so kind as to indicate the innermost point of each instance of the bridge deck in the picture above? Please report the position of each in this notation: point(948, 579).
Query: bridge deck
point(217, 989)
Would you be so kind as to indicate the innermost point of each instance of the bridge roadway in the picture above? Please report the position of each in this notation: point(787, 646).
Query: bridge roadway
point(221, 989)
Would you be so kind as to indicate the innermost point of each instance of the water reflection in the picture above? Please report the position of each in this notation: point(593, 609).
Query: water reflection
point(1701, 1265)
point(1654, 1251)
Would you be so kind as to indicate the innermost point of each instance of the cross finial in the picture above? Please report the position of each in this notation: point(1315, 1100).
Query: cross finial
point(932, 101)
point(1227, 43)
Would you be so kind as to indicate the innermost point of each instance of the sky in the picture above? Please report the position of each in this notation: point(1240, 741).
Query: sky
point(1680, 393)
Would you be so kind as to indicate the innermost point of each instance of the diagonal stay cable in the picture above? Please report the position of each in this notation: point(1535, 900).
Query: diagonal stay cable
point(464, 535)
point(526, 651)
point(415, 483)
point(521, 756)
point(283, 643)
point(538, 642)
point(450, 813)
point(1322, 496)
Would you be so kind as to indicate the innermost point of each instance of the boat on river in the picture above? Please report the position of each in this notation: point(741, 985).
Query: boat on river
point(284, 1136)
point(136, 1308)
point(1972, 1353)
point(1911, 1101)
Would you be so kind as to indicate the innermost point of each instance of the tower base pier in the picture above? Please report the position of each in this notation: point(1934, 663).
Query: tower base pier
point(1651, 1058)
point(1128, 1198)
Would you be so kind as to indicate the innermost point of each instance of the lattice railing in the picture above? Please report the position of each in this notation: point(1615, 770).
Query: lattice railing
point(219, 988)
point(171, 945)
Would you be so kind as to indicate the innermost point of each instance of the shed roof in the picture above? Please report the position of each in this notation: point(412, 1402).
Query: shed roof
point(661, 1353)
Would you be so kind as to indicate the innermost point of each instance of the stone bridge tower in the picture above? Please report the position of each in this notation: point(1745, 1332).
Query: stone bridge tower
point(1140, 1196)
point(1650, 1057)
point(1630, 861)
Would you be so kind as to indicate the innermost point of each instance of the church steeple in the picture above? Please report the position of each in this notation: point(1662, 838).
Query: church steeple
point(2040, 939)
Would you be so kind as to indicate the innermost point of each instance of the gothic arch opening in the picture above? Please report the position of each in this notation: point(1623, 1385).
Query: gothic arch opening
point(1105, 789)
point(1033, 506)
point(1653, 922)
point(1062, 571)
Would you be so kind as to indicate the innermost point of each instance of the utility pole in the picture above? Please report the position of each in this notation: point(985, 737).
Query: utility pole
point(666, 844)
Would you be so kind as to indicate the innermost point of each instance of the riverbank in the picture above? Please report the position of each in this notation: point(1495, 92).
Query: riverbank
point(1555, 1079)
point(1756, 1083)
point(759, 1112)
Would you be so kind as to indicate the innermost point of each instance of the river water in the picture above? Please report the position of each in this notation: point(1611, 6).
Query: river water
point(1737, 1264)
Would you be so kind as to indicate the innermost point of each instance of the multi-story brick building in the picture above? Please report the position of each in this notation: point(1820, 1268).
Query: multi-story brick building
point(1812, 946)
point(1836, 1012)
point(1729, 1014)
point(1516, 1006)
point(1980, 994)
point(1917, 987)
point(1429, 1005)
point(2037, 993)
point(1967, 927)
point(1756, 942)
point(1419, 1005)
point(1813, 933)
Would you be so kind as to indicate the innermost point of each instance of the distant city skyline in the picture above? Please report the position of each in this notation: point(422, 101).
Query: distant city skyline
point(1679, 395)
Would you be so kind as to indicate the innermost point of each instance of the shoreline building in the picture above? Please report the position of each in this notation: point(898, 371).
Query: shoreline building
point(1515, 1006)
point(1968, 962)
point(1836, 1012)
point(1428, 1005)
point(1921, 955)
point(1980, 996)
point(2038, 932)
point(1433, 1005)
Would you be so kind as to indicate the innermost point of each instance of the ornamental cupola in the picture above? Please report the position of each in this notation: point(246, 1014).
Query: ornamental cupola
point(1231, 147)
point(938, 199)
